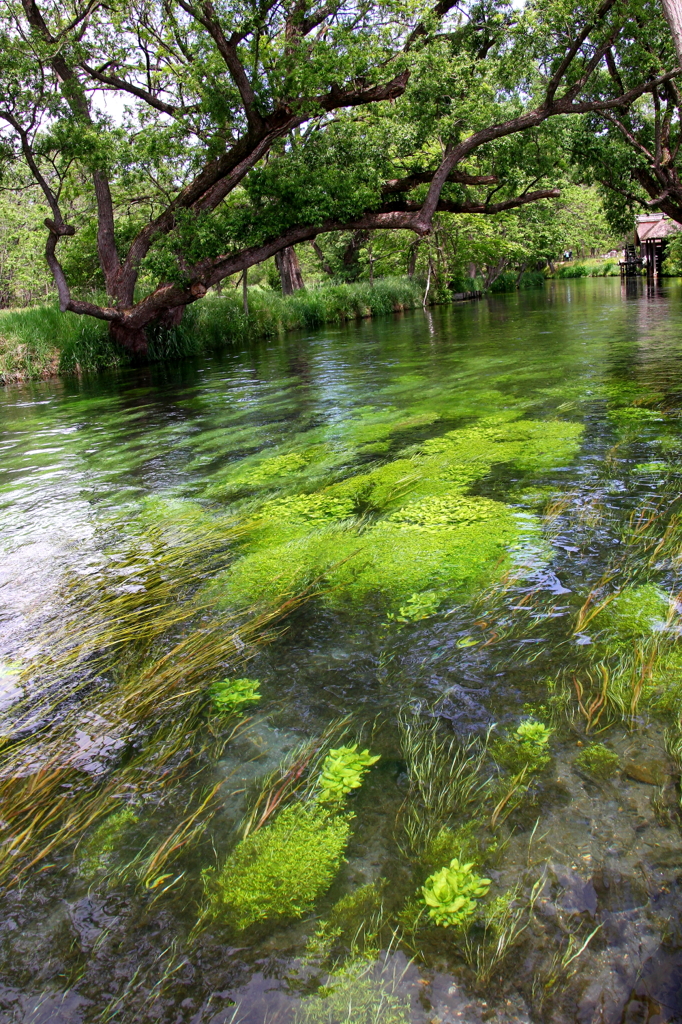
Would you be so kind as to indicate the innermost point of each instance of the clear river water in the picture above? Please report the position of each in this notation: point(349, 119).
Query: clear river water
point(452, 538)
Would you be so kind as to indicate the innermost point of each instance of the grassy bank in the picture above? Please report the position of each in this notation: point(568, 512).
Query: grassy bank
point(587, 268)
point(40, 342)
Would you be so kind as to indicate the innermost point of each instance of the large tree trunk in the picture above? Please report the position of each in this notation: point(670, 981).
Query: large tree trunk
point(673, 13)
point(289, 268)
point(132, 339)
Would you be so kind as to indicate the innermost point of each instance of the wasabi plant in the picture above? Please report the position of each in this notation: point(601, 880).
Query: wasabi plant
point(281, 870)
point(233, 696)
point(599, 761)
point(451, 894)
point(527, 747)
point(343, 771)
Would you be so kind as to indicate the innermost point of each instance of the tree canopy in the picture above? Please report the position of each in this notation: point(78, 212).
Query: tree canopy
point(177, 142)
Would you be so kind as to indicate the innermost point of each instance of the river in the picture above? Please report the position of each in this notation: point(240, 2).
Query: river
point(453, 538)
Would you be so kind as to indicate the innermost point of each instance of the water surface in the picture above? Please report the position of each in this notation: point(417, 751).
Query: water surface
point(163, 510)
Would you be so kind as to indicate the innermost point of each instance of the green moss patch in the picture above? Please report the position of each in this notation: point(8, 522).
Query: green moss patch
point(635, 612)
point(281, 870)
point(599, 761)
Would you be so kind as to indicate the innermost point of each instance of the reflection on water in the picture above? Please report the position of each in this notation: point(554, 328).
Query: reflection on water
point(479, 510)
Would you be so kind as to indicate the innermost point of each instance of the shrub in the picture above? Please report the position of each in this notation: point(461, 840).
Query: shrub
point(451, 894)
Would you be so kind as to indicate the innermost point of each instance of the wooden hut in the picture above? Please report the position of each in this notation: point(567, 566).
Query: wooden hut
point(652, 231)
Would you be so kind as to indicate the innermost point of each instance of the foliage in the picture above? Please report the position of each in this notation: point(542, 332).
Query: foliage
point(451, 894)
point(240, 136)
point(281, 870)
point(343, 770)
point(233, 696)
point(598, 760)
point(40, 340)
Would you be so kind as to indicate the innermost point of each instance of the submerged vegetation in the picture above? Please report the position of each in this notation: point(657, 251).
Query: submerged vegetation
point(418, 776)
point(451, 894)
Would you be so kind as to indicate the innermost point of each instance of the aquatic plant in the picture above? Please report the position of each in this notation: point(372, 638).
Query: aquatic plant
point(451, 894)
point(529, 444)
point(598, 760)
point(417, 607)
point(446, 779)
point(504, 921)
point(343, 770)
point(361, 993)
point(445, 513)
point(526, 748)
point(313, 509)
point(281, 870)
point(462, 843)
point(94, 852)
point(634, 612)
point(353, 925)
point(392, 561)
point(233, 696)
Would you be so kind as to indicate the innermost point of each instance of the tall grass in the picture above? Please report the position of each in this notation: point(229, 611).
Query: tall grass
point(39, 341)
point(587, 268)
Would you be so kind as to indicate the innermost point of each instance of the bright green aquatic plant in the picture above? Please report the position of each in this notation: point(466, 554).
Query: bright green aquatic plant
point(446, 781)
point(599, 761)
point(451, 894)
point(343, 770)
point(281, 870)
point(634, 612)
point(390, 562)
point(526, 748)
point(353, 925)
point(417, 607)
point(445, 513)
point(233, 696)
point(462, 842)
point(313, 509)
point(529, 444)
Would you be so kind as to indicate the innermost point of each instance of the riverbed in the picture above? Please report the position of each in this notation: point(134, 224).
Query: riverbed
point(452, 538)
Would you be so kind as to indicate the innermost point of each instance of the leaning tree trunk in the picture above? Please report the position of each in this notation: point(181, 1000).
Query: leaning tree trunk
point(289, 268)
point(673, 13)
point(134, 339)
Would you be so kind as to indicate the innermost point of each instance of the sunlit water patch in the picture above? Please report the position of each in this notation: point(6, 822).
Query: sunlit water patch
point(341, 678)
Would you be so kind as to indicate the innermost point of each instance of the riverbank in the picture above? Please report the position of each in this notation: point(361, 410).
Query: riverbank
point(40, 342)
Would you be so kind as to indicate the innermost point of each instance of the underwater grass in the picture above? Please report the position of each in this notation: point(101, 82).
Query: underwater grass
point(129, 663)
point(446, 779)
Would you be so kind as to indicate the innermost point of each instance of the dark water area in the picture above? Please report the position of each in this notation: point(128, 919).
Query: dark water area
point(454, 537)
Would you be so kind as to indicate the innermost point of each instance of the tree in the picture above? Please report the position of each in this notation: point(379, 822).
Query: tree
point(633, 153)
point(249, 127)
